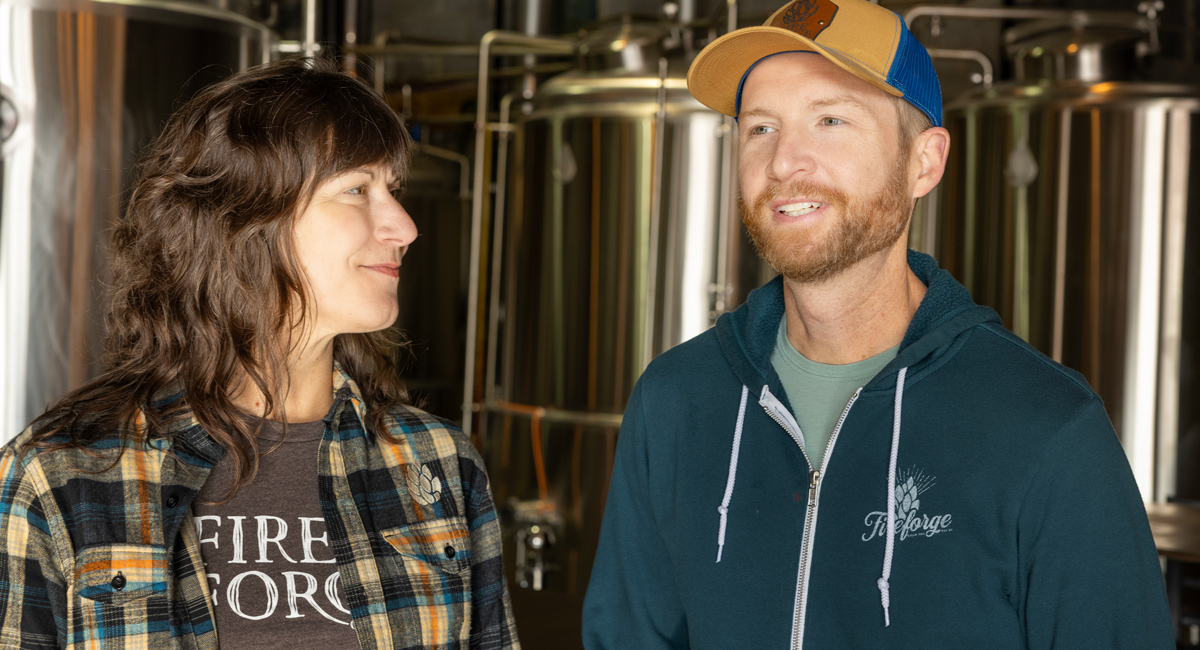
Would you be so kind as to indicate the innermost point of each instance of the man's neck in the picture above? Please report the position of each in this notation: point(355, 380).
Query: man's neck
point(862, 312)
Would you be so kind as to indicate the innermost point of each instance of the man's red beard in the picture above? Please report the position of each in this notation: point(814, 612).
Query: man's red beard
point(864, 227)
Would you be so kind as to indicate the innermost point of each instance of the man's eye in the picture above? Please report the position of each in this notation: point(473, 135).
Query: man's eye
point(830, 121)
point(760, 130)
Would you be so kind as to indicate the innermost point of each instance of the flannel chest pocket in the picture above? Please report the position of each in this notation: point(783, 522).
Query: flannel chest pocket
point(441, 544)
point(118, 574)
point(433, 580)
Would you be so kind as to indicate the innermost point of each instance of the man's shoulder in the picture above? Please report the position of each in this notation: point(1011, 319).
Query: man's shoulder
point(1015, 359)
point(1003, 380)
point(701, 352)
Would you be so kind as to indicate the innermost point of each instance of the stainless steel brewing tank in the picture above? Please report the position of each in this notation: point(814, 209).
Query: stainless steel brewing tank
point(610, 262)
point(84, 86)
point(1070, 207)
point(620, 230)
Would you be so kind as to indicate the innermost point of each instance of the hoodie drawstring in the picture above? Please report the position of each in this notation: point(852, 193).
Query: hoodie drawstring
point(889, 548)
point(733, 458)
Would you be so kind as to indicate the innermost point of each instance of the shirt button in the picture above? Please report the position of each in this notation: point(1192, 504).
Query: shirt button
point(450, 551)
point(172, 500)
point(118, 582)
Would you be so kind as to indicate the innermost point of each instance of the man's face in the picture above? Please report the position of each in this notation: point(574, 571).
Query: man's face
point(824, 184)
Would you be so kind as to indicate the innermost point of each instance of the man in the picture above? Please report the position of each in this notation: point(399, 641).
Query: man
point(859, 456)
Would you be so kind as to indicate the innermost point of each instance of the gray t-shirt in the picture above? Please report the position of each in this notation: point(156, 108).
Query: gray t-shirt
point(819, 392)
point(272, 572)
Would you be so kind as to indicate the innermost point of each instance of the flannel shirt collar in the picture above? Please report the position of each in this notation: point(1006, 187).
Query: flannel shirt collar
point(180, 424)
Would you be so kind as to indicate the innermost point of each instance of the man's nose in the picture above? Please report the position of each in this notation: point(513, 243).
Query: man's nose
point(792, 157)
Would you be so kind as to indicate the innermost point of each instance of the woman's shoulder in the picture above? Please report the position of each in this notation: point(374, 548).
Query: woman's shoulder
point(416, 426)
point(409, 417)
point(58, 452)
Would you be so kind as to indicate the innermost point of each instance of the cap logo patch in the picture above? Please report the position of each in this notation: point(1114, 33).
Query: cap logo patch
point(807, 18)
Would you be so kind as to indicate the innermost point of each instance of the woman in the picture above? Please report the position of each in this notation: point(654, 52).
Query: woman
point(246, 470)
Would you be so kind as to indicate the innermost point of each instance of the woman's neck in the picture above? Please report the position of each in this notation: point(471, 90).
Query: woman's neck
point(308, 388)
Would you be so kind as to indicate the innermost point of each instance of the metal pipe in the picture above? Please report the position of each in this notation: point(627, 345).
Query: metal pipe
point(533, 45)
point(656, 181)
point(1171, 336)
point(418, 49)
point(967, 55)
point(310, 28)
point(381, 39)
point(554, 415)
point(489, 385)
point(464, 176)
point(726, 237)
point(986, 13)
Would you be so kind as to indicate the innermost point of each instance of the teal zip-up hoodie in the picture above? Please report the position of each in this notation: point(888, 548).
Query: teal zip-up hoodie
point(1016, 522)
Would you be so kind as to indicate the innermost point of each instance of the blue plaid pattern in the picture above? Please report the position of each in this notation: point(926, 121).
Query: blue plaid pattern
point(94, 558)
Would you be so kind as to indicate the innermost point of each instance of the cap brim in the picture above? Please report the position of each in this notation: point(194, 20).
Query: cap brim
point(717, 70)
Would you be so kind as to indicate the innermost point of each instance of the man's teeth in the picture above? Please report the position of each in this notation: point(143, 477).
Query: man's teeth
point(797, 209)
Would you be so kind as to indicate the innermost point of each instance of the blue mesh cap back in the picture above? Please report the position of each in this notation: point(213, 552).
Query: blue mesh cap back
point(912, 73)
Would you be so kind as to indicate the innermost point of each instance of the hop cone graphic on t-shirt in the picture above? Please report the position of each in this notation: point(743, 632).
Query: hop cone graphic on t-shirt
point(906, 499)
point(424, 487)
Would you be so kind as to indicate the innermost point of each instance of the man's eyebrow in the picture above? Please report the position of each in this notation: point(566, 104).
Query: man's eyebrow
point(753, 112)
point(840, 100)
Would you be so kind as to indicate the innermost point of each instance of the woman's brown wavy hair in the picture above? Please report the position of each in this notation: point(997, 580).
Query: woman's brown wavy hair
point(207, 290)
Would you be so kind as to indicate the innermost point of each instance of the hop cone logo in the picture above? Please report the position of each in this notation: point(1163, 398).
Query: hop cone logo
point(424, 487)
point(906, 499)
point(910, 483)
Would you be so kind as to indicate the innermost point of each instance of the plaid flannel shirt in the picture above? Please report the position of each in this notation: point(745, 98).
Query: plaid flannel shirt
point(103, 555)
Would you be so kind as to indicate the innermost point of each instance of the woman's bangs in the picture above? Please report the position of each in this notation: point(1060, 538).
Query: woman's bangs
point(370, 134)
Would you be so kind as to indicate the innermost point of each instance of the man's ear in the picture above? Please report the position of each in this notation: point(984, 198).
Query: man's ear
point(930, 151)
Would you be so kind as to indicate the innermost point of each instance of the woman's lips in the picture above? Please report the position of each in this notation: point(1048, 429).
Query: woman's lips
point(386, 269)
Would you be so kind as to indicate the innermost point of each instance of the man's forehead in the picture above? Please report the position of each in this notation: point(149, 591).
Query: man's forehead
point(831, 85)
point(804, 65)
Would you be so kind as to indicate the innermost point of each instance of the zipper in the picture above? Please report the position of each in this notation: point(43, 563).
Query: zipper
point(775, 411)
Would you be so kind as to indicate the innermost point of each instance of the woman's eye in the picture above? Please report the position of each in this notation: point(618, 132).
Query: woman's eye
point(397, 193)
point(830, 121)
point(361, 189)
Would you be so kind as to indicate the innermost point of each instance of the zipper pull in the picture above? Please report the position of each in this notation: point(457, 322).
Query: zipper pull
point(813, 477)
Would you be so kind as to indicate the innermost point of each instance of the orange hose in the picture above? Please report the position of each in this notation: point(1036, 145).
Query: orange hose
point(535, 414)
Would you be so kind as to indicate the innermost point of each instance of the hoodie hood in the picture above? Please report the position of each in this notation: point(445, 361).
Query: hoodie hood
point(747, 335)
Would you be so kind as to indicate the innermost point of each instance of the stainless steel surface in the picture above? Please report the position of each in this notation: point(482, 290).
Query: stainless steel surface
point(619, 240)
point(1071, 209)
point(90, 84)
point(588, 265)
point(1085, 48)
point(533, 45)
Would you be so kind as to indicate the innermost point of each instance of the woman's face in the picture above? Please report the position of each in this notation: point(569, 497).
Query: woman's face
point(349, 241)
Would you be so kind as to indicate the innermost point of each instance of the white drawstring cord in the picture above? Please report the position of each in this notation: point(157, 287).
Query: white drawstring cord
point(889, 548)
point(733, 458)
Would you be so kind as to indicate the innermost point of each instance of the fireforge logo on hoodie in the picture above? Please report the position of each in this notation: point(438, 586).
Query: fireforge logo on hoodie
point(910, 485)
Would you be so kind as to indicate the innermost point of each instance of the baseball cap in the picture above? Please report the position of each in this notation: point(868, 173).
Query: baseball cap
point(862, 38)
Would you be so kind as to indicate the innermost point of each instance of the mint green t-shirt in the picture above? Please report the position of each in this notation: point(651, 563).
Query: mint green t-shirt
point(819, 392)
